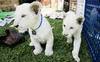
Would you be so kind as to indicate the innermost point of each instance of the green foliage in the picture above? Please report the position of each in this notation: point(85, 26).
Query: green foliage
point(4, 14)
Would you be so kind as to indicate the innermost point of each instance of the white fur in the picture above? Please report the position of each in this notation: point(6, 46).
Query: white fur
point(70, 20)
point(30, 22)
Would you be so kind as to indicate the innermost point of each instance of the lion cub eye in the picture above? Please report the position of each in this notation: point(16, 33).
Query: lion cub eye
point(71, 28)
point(23, 16)
point(64, 25)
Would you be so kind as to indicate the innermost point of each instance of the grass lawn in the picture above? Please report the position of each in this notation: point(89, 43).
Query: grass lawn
point(62, 51)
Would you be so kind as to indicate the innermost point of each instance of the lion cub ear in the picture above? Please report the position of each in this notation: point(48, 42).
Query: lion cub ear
point(80, 20)
point(36, 6)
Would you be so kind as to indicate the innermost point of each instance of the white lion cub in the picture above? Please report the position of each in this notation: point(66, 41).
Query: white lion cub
point(72, 27)
point(28, 17)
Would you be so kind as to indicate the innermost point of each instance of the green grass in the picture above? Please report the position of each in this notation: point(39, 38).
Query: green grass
point(62, 51)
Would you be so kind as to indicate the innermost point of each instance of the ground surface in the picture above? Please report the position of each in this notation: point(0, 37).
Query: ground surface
point(62, 51)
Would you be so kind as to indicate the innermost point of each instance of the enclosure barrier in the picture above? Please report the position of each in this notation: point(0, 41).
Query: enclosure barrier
point(91, 28)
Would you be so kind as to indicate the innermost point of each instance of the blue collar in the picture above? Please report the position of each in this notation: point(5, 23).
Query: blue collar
point(40, 23)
